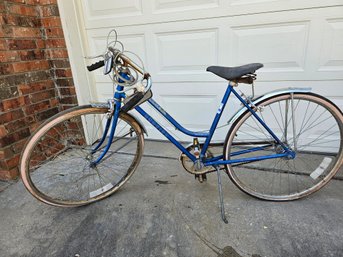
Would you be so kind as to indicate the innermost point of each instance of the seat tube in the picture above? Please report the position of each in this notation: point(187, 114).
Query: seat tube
point(216, 119)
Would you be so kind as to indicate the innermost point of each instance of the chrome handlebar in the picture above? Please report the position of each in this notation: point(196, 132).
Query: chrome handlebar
point(117, 54)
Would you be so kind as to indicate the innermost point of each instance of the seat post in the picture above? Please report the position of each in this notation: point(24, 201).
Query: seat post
point(233, 83)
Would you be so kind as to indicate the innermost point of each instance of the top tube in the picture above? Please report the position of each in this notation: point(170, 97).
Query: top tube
point(174, 122)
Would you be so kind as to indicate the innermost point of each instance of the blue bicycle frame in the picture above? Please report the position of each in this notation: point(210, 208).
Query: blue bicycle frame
point(213, 161)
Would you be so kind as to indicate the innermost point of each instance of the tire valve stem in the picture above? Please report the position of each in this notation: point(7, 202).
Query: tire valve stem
point(196, 148)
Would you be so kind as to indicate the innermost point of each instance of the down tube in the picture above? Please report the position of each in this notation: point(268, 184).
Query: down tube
point(165, 133)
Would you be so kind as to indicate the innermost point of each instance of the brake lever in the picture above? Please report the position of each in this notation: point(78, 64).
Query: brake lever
point(108, 64)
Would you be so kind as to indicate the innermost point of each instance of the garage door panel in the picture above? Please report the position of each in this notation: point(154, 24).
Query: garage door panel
point(176, 52)
point(331, 54)
point(193, 104)
point(281, 47)
point(291, 49)
point(163, 6)
point(104, 9)
point(106, 13)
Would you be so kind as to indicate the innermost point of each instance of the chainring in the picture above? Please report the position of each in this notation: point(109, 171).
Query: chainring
point(189, 165)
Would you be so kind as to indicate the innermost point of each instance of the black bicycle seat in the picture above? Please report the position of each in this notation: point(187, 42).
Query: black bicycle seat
point(234, 73)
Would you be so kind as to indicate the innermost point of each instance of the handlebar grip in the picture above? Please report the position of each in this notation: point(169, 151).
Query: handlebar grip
point(96, 65)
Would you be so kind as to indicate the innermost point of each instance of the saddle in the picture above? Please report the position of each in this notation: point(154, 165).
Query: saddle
point(240, 74)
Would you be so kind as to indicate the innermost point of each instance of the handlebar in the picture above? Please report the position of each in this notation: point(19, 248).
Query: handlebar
point(127, 62)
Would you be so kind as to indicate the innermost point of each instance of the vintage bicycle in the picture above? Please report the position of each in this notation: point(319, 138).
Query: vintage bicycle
point(281, 146)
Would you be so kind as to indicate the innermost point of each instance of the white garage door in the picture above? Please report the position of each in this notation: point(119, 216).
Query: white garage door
point(300, 43)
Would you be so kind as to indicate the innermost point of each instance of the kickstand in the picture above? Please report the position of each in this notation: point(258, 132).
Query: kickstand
point(222, 209)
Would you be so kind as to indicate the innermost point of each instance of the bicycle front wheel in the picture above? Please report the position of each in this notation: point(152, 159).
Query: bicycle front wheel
point(308, 124)
point(56, 165)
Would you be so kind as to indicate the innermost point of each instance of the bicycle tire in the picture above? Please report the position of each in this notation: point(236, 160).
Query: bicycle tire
point(55, 164)
point(319, 154)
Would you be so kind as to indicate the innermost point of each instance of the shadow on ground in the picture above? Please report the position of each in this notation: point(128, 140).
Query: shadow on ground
point(163, 211)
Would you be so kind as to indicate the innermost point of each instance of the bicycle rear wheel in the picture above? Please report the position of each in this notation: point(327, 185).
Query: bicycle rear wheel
point(56, 162)
point(309, 124)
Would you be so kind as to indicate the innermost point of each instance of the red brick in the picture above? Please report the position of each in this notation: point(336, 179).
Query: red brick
point(41, 96)
point(2, 7)
point(18, 146)
point(30, 66)
point(3, 164)
point(46, 2)
point(8, 56)
point(38, 107)
point(34, 126)
point(23, 10)
point(14, 137)
point(51, 22)
point(64, 82)
point(18, 124)
point(67, 91)
point(3, 44)
point(2, 32)
point(9, 174)
point(6, 153)
point(35, 87)
point(55, 43)
point(40, 43)
point(6, 69)
point(66, 107)
point(21, 21)
point(11, 116)
point(57, 53)
point(54, 102)
point(6, 31)
point(54, 32)
point(51, 10)
point(13, 162)
point(32, 55)
point(21, 32)
point(63, 73)
point(2, 156)
point(46, 114)
point(3, 131)
point(2, 20)
point(68, 100)
point(60, 64)
point(14, 103)
point(32, 2)
point(21, 44)
point(32, 47)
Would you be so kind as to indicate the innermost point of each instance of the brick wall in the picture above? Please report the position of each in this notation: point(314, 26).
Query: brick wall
point(35, 75)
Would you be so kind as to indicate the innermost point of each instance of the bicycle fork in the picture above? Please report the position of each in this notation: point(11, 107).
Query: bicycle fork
point(113, 120)
point(111, 124)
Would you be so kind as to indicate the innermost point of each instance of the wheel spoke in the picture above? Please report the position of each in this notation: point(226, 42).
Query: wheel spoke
point(60, 165)
point(311, 124)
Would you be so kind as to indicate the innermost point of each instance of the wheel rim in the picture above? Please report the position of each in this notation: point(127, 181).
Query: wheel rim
point(318, 147)
point(57, 160)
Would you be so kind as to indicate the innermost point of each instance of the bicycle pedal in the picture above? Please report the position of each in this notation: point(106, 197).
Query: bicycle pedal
point(200, 177)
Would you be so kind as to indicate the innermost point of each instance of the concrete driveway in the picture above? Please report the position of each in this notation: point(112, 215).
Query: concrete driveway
point(163, 211)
